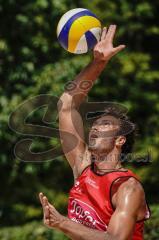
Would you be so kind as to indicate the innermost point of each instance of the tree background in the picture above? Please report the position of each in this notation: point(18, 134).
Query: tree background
point(33, 63)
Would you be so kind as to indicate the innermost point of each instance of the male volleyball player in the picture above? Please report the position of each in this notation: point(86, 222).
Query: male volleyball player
point(107, 201)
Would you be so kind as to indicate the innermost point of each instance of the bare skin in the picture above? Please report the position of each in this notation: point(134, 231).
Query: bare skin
point(69, 117)
point(129, 199)
point(129, 207)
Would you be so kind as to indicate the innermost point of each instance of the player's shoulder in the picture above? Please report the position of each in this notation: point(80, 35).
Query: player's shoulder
point(132, 187)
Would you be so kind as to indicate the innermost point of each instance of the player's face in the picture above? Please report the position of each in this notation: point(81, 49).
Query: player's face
point(102, 135)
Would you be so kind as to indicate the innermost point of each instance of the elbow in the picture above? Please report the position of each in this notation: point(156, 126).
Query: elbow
point(65, 102)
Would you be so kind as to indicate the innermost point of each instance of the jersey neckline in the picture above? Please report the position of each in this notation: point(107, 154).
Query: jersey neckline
point(103, 174)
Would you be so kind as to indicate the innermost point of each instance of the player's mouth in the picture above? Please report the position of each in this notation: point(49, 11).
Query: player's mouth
point(92, 139)
point(93, 135)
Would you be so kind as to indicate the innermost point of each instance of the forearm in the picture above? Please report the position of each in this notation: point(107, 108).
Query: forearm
point(102, 53)
point(77, 231)
point(86, 78)
point(79, 88)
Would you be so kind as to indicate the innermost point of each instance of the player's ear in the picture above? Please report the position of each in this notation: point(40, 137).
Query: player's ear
point(120, 141)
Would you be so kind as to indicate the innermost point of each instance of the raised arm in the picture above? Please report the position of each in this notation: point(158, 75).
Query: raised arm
point(69, 117)
point(130, 207)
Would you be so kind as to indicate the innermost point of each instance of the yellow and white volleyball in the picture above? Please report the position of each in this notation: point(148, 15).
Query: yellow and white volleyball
point(79, 30)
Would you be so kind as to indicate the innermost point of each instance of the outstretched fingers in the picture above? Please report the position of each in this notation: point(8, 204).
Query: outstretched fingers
point(52, 209)
point(41, 198)
point(46, 215)
point(45, 206)
point(111, 33)
point(104, 32)
point(118, 49)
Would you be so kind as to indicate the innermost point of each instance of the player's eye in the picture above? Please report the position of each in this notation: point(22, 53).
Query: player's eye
point(94, 129)
point(107, 123)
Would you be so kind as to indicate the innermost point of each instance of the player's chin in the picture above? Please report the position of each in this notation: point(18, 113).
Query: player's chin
point(93, 146)
point(99, 147)
point(92, 143)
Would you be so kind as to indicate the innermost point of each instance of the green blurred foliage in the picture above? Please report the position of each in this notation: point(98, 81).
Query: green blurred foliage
point(31, 231)
point(32, 63)
point(35, 230)
point(152, 226)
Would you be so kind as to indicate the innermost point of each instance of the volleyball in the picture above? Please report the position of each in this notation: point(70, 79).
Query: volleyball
point(79, 30)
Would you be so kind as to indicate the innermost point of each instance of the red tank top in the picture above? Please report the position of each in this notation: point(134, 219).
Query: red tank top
point(90, 200)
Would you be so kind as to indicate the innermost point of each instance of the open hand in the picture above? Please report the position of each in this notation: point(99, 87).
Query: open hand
point(51, 217)
point(104, 49)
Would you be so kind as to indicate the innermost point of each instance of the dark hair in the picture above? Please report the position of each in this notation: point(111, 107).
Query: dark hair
point(127, 128)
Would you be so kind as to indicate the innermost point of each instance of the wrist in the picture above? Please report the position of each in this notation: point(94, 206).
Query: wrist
point(100, 62)
point(62, 223)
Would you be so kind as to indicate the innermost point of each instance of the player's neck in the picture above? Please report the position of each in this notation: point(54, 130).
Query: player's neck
point(110, 161)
